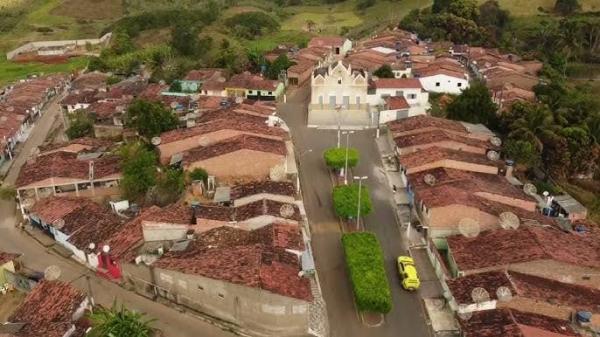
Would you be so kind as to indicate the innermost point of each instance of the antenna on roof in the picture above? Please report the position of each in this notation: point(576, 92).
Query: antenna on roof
point(277, 173)
point(493, 155)
point(287, 210)
point(496, 141)
point(480, 295)
point(509, 220)
point(429, 179)
point(530, 189)
point(155, 141)
point(503, 294)
point(468, 227)
point(52, 273)
point(58, 223)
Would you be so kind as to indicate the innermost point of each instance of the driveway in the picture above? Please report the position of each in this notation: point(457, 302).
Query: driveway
point(406, 318)
point(172, 322)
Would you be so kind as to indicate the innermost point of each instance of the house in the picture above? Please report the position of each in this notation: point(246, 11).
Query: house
point(75, 223)
point(216, 130)
point(442, 79)
point(444, 197)
point(340, 46)
point(441, 157)
point(438, 138)
point(532, 250)
point(408, 88)
point(338, 96)
point(281, 191)
point(251, 86)
point(52, 309)
point(315, 55)
point(238, 158)
point(421, 123)
point(193, 80)
point(77, 145)
point(67, 173)
point(299, 73)
point(507, 94)
point(527, 293)
point(496, 77)
point(7, 265)
point(394, 107)
point(515, 323)
point(90, 81)
point(78, 100)
point(254, 279)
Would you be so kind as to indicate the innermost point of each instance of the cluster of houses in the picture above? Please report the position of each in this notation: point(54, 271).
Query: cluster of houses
point(236, 247)
point(21, 104)
point(503, 263)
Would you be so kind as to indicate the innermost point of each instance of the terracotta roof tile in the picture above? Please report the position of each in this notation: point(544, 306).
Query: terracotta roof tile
point(130, 236)
point(66, 165)
point(396, 103)
point(434, 153)
point(178, 213)
point(422, 122)
point(258, 187)
point(237, 143)
point(436, 136)
point(53, 208)
point(203, 74)
point(399, 83)
point(462, 287)
point(93, 80)
point(91, 144)
point(252, 82)
point(7, 257)
point(80, 97)
point(246, 212)
point(326, 41)
point(48, 310)
point(108, 108)
point(255, 259)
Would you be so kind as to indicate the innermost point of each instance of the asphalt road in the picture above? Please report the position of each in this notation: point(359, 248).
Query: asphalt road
point(406, 318)
point(172, 322)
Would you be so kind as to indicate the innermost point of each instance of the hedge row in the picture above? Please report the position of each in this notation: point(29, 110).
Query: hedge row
point(336, 157)
point(364, 258)
point(345, 201)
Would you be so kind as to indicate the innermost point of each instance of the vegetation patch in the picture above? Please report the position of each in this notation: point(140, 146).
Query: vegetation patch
point(345, 201)
point(89, 9)
point(336, 157)
point(364, 259)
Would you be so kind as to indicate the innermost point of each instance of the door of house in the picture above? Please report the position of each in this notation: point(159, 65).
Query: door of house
point(332, 102)
point(346, 102)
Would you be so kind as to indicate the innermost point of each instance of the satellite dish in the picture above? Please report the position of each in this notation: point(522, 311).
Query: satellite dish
point(204, 141)
point(58, 223)
point(155, 141)
point(509, 220)
point(287, 211)
point(277, 173)
point(464, 313)
point(567, 279)
point(92, 246)
point(429, 179)
point(496, 141)
point(493, 155)
point(480, 295)
point(174, 105)
point(468, 227)
point(530, 189)
point(503, 294)
point(106, 249)
point(52, 273)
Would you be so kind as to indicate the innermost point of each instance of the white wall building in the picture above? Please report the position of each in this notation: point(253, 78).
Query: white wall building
point(409, 88)
point(443, 81)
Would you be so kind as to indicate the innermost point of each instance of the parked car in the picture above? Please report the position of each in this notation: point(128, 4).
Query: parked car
point(408, 273)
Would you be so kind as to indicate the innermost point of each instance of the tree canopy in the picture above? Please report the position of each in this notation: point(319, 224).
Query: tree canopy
point(150, 119)
point(250, 25)
point(138, 164)
point(345, 201)
point(81, 124)
point(385, 71)
point(336, 157)
point(566, 7)
point(474, 105)
point(119, 321)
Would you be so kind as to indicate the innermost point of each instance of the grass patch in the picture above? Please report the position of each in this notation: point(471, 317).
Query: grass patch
point(89, 9)
point(10, 71)
point(270, 41)
point(364, 258)
point(328, 20)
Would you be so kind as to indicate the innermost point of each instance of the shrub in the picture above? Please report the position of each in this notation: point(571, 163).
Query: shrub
point(345, 201)
point(198, 174)
point(150, 118)
point(7, 193)
point(336, 157)
point(80, 125)
point(364, 259)
point(249, 25)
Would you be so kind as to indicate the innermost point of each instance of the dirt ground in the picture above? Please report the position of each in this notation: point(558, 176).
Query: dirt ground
point(9, 302)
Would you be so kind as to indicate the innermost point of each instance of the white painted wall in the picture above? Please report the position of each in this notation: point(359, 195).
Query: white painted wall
point(392, 115)
point(78, 106)
point(444, 84)
point(337, 84)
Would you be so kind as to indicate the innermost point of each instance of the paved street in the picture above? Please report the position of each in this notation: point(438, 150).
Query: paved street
point(406, 318)
point(35, 256)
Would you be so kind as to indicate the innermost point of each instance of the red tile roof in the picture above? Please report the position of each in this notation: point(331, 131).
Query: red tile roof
point(130, 236)
point(242, 124)
point(178, 213)
point(234, 144)
point(66, 165)
point(436, 136)
point(233, 114)
point(91, 80)
point(246, 212)
point(48, 310)
point(251, 82)
point(531, 243)
point(91, 144)
point(7, 257)
point(53, 208)
point(326, 41)
point(422, 122)
point(258, 187)
point(433, 154)
point(462, 287)
point(80, 97)
point(513, 323)
point(107, 109)
point(255, 259)
point(203, 74)
point(396, 103)
point(437, 69)
point(397, 83)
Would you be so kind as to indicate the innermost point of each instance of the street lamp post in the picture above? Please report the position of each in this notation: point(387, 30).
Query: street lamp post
point(338, 109)
point(347, 133)
point(360, 179)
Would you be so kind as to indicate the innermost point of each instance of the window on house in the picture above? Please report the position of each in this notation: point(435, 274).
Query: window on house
point(221, 295)
point(459, 84)
point(412, 96)
point(339, 81)
point(437, 84)
point(249, 91)
point(200, 287)
point(358, 100)
point(270, 93)
point(399, 93)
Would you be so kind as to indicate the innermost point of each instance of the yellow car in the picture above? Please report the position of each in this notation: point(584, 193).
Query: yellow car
point(408, 273)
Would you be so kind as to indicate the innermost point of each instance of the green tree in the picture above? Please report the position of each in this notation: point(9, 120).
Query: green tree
point(7, 193)
point(80, 125)
point(121, 43)
point(466, 9)
point(184, 39)
point(119, 321)
point(170, 183)
point(440, 5)
point(474, 105)
point(385, 71)
point(281, 63)
point(336, 157)
point(138, 164)
point(530, 122)
point(250, 25)
point(175, 87)
point(582, 151)
point(361, 5)
point(522, 152)
point(345, 201)
point(198, 174)
point(150, 118)
point(566, 7)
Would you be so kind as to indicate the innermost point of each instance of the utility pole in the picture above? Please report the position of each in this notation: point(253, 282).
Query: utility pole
point(360, 179)
point(347, 133)
point(339, 124)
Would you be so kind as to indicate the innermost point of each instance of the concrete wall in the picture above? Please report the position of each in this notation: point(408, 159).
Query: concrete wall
point(251, 308)
point(34, 46)
point(8, 266)
point(443, 221)
point(392, 115)
point(455, 164)
point(444, 84)
point(413, 96)
point(241, 164)
point(261, 196)
point(108, 131)
point(448, 144)
point(352, 86)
